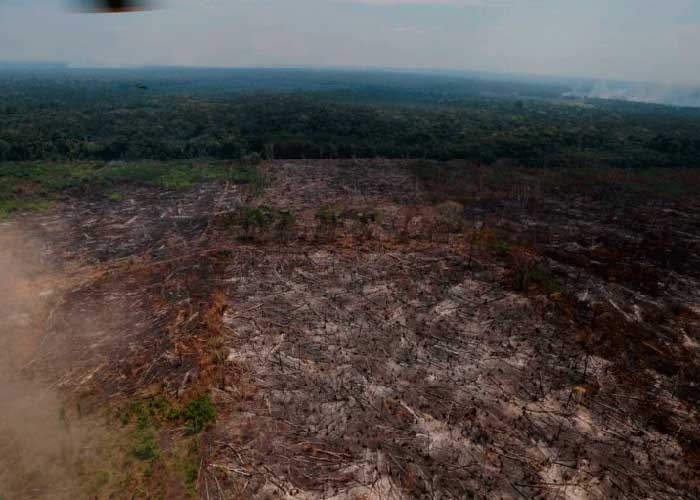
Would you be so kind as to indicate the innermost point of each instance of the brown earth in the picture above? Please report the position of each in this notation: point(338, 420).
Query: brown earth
point(473, 332)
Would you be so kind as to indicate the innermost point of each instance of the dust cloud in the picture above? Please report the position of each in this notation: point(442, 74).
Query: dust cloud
point(38, 446)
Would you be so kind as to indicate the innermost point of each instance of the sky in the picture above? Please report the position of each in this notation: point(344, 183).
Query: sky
point(640, 40)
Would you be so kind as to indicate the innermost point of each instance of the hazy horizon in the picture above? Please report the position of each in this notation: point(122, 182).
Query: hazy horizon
point(626, 40)
point(459, 72)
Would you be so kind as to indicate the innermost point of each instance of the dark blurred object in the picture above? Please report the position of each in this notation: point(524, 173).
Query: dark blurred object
point(113, 6)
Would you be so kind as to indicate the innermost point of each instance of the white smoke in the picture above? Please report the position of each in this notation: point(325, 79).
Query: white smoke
point(656, 93)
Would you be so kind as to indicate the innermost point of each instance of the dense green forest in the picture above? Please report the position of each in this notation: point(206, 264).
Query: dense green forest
point(64, 114)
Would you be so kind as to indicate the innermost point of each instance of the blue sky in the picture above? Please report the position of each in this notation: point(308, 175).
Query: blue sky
point(617, 39)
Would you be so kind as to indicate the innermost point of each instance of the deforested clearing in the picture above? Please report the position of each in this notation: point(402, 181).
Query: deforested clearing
point(356, 329)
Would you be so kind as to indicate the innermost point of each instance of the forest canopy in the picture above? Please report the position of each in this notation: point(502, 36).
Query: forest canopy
point(165, 114)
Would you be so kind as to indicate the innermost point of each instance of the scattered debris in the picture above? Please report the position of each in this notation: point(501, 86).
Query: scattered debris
point(402, 337)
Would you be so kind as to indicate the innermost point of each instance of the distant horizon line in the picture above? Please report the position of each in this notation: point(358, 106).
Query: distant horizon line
point(552, 78)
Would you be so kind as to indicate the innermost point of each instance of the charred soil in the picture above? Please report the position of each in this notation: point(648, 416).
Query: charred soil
point(379, 329)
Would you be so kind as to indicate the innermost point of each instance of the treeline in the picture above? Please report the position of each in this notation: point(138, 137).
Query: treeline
point(112, 118)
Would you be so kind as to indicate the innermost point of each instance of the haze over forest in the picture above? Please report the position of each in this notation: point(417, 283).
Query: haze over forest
point(620, 40)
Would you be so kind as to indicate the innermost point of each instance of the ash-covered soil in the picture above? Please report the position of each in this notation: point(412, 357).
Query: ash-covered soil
point(369, 330)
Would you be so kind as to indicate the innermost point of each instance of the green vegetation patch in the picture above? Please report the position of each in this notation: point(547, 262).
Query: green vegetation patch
point(263, 218)
point(197, 413)
point(189, 465)
point(8, 206)
point(146, 447)
point(334, 215)
point(286, 218)
point(258, 217)
point(328, 215)
point(115, 196)
point(153, 412)
point(501, 247)
point(34, 185)
point(155, 454)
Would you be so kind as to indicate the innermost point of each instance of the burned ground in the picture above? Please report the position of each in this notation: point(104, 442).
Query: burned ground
point(387, 329)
